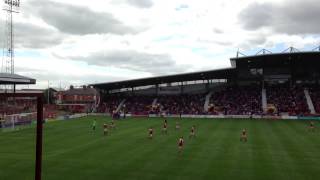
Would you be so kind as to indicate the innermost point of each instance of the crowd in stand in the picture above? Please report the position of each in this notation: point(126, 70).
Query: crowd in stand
point(10, 108)
point(109, 104)
point(236, 101)
point(289, 100)
point(138, 105)
point(17, 105)
point(143, 105)
point(233, 100)
point(182, 104)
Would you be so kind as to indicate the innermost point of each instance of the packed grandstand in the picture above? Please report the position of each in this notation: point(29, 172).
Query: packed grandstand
point(273, 85)
point(282, 84)
point(229, 100)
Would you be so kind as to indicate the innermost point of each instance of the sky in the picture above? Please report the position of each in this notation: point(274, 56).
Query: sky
point(77, 42)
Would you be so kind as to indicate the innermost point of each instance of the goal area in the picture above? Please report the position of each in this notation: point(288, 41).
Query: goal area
point(20, 110)
point(17, 121)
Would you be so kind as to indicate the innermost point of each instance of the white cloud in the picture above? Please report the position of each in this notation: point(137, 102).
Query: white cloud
point(194, 35)
point(288, 17)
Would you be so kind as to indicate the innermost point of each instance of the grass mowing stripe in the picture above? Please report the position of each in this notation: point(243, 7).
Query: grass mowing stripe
point(118, 148)
point(221, 156)
point(273, 150)
point(267, 155)
point(99, 137)
point(183, 164)
point(306, 151)
point(240, 151)
point(93, 135)
point(165, 149)
point(290, 167)
point(141, 157)
point(214, 152)
point(204, 155)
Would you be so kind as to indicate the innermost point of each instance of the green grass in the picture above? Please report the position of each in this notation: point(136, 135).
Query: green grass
point(275, 150)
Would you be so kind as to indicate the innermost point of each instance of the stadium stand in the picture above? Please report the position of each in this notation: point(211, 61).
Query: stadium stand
point(142, 105)
point(17, 106)
point(260, 85)
point(231, 100)
point(138, 105)
point(184, 104)
point(268, 84)
point(288, 99)
point(236, 100)
point(109, 103)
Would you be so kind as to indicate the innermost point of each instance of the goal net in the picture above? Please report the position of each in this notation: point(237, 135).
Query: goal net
point(17, 112)
point(17, 121)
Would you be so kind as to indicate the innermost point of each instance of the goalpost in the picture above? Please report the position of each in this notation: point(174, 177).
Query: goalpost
point(17, 121)
point(30, 109)
point(17, 112)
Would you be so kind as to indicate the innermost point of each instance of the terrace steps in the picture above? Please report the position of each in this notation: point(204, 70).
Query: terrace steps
point(264, 100)
point(120, 105)
point(207, 101)
point(309, 101)
point(154, 102)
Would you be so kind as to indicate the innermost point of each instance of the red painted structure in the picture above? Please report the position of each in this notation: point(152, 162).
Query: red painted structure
point(39, 132)
point(77, 100)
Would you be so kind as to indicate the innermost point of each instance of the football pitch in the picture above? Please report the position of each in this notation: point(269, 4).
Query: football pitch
point(276, 149)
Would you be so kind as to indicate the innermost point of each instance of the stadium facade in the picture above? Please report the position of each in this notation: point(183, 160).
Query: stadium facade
point(267, 84)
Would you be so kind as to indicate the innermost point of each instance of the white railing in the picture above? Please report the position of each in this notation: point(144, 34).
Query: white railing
point(264, 100)
point(207, 101)
point(120, 105)
point(309, 101)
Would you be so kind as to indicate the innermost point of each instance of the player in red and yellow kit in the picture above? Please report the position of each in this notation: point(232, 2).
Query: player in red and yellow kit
point(192, 132)
point(243, 136)
point(311, 126)
point(165, 126)
point(180, 144)
point(150, 132)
